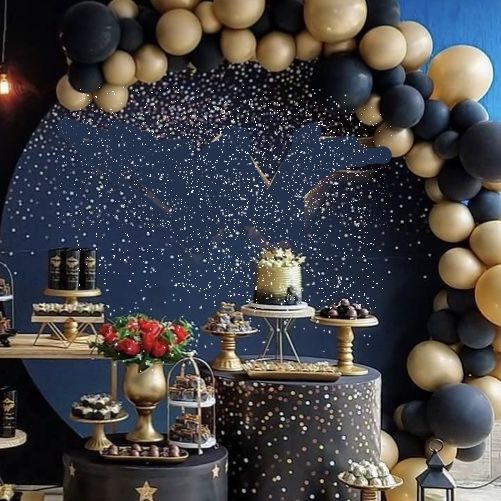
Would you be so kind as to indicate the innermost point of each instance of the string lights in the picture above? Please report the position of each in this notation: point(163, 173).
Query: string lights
point(5, 86)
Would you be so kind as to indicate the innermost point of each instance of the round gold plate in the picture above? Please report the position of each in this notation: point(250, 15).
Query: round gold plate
point(373, 488)
point(346, 322)
point(72, 293)
point(121, 417)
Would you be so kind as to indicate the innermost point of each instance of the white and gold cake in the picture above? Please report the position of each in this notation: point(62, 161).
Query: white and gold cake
point(278, 277)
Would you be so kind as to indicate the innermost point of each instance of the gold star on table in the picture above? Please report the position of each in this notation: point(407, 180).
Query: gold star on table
point(146, 492)
point(215, 471)
point(226, 466)
point(72, 469)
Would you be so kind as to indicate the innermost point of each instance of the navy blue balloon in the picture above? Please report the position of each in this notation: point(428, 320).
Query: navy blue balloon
point(421, 82)
point(264, 24)
point(435, 120)
point(384, 80)
point(382, 12)
point(442, 326)
point(343, 81)
point(415, 420)
point(207, 56)
point(461, 301)
point(89, 32)
point(480, 151)
point(467, 113)
point(446, 145)
point(477, 363)
point(402, 106)
point(131, 35)
point(471, 454)
point(148, 19)
point(409, 446)
point(460, 415)
point(456, 184)
point(287, 16)
point(475, 331)
point(486, 206)
point(85, 77)
point(177, 63)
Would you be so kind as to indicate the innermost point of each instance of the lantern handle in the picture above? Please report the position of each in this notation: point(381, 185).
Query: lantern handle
point(436, 445)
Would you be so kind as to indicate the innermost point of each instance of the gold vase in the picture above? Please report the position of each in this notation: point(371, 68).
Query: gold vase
point(145, 390)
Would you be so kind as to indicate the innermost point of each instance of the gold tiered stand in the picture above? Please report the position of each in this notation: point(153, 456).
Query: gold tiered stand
point(372, 493)
point(99, 441)
point(73, 326)
point(345, 336)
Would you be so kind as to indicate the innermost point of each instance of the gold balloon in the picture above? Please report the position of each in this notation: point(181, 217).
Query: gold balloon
point(205, 13)
point(276, 51)
point(419, 45)
point(307, 47)
point(124, 8)
point(398, 141)
point(344, 46)
point(178, 32)
point(497, 370)
point(111, 98)
point(151, 63)
point(440, 301)
point(492, 186)
point(407, 470)
point(383, 47)
point(490, 386)
point(460, 72)
point(238, 46)
point(460, 268)
point(165, 5)
point(239, 14)
point(389, 450)
point(70, 98)
point(369, 113)
point(432, 190)
point(485, 242)
point(456, 347)
point(447, 454)
point(451, 221)
point(333, 21)
point(119, 68)
point(496, 344)
point(432, 364)
point(488, 294)
point(423, 161)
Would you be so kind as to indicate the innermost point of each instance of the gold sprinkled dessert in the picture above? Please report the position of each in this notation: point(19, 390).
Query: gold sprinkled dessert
point(278, 277)
point(228, 319)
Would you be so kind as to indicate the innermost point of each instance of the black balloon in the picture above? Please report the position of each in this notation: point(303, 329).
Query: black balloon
point(456, 184)
point(387, 423)
point(415, 420)
point(207, 56)
point(460, 415)
point(471, 454)
point(461, 301)
point(90, 32)
point(477, 363)
point(475, 331)
point(263, 25)
point(384, 80)
point(446, 145)
point(343, 81)
point(148, 19)
point(287, 15)
point(131, 35)
point(486, 206)
point(467, 113)
point(480, 151)
point(382, 12)
point(177, 63)
point(85, 77)
point(408, 445)
point(435, 120)
point(442, 326)
point(402, 106)
point(421, 82)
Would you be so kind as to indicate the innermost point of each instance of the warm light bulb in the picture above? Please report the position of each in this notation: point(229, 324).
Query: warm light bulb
point(4, 84)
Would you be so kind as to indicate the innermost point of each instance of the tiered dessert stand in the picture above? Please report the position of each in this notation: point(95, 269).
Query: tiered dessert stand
point(73, 326)
point(279, 320)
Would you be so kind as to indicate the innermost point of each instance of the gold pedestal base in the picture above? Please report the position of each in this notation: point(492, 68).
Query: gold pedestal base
point(144, 431)
point(98, 441)
point(353, 370)
point(228, 360)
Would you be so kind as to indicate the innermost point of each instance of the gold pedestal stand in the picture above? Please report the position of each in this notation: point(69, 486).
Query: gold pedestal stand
point(345, 337)
point(372, 493)
point(99, 441)
point(73, 327)
point(227, 359)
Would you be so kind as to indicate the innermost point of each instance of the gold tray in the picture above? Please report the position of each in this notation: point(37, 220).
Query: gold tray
point(292, 375)
point(373, 488)
point(147, 459)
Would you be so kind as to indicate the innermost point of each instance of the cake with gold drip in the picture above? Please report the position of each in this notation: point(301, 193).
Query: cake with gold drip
point(278, 277)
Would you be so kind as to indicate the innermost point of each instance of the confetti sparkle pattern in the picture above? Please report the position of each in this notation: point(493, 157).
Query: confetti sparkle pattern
point(169, 193)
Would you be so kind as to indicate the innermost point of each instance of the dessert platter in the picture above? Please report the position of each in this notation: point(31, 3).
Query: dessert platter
point(189, 391)
point(291, 370)
point(137, 453)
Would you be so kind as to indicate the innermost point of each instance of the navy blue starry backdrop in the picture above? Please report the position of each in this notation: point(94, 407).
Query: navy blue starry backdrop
point(183, 188)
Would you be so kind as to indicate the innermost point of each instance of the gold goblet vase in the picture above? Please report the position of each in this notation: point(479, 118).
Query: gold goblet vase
point(145, 389)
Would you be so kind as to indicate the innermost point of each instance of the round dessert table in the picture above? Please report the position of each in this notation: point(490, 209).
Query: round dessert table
point(88, 477)
point(279, 322)
point(8, 443)
point(289, 440)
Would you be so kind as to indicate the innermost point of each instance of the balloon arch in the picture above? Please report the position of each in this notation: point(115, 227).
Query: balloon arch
point(367, 61)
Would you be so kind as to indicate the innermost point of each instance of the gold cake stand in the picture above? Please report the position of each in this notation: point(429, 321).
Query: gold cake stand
point(370, 492)
point(98, 441)
point(227, 359)
point(345, 336)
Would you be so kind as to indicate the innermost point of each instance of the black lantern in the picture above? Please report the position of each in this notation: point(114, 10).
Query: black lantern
point(435, 477)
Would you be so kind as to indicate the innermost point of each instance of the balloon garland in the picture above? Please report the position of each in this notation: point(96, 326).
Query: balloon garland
point(366, 61)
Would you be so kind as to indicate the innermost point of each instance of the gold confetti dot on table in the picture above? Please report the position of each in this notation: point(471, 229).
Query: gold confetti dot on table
point(146, 492)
